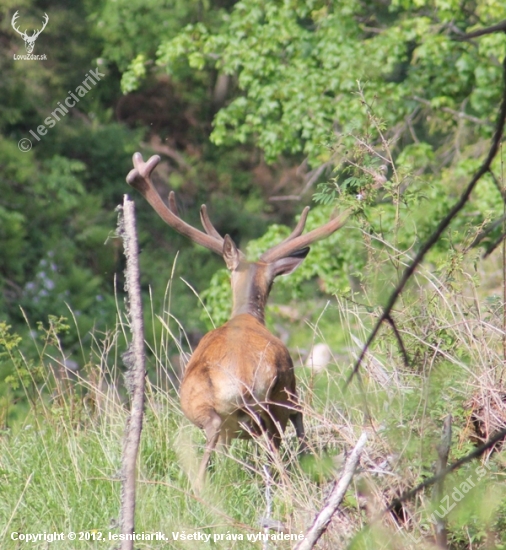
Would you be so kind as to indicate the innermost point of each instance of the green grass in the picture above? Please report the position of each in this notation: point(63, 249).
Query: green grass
point(60, 465)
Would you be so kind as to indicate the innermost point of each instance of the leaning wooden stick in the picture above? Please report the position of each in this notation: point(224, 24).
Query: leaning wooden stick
point(443, 450)
point(336, 497)
point(135, 360)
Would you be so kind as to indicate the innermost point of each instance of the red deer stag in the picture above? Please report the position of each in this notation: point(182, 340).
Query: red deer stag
point(240, 379)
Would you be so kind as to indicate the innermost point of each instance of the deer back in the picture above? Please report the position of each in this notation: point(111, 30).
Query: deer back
point(238, 367)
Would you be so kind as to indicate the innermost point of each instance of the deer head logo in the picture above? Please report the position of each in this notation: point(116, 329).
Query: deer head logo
point(29, 40)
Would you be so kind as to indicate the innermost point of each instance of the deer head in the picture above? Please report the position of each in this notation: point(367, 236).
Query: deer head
point(251, 281)
point(29, 40)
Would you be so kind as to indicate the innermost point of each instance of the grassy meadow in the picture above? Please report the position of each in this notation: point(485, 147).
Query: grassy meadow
point(60, 457)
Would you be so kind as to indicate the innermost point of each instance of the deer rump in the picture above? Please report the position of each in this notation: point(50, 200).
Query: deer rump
point(244, 374)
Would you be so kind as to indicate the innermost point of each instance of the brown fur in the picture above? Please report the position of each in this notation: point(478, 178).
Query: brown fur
point(240, 380)
point(240, 370)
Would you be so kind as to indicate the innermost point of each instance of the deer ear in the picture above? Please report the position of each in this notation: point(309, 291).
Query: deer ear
point(231, 254)
point(285, 266)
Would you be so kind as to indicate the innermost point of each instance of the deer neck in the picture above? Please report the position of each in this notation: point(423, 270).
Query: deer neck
point(250, 289)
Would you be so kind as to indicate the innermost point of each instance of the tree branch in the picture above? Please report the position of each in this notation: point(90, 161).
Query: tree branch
point(435, 479)
point(433, 239)
point(457, 114)
point(443, 450)
point(494, 245)
point(335, 498)
point(135, 378)
point(402, 347)
point(500, 27)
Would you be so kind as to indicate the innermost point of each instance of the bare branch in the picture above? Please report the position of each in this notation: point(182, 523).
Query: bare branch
point(156, 144)
point(487, 230)
point(498, 185)
point(402, 347)
point(443, 451)
point(135, 357)
point(457, 114)
point(494, 245)
point(499, 436)
point(335, 498)
point(500, 27)
point(445, 222)
point(279, 198)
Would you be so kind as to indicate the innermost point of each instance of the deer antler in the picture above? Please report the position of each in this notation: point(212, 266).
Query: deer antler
point(296, 241)
point(140, 179)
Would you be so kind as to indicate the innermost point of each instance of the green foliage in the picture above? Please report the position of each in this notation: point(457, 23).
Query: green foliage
point(297, 65)
point(132, 28)
point(218, 299)
point(19, 377)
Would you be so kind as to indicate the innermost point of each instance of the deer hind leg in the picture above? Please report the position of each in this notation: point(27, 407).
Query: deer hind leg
point(212, 428)
point(298, 423)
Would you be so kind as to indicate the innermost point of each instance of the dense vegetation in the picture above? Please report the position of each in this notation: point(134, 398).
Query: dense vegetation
point(257, 109)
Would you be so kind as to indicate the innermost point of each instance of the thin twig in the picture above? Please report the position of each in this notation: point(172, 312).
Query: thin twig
point(497, 183)
point(433, 239)
point(494, 245)
point(458, 114)
point(487, 230)
point(408, 495)
point(443, 450)
point(402, 347)
point(480, 32)
point(335, 498)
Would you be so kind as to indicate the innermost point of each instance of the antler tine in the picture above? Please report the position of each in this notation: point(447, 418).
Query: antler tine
point(204, 218)
point(299, 228)
point(207, 224)
point(173, 204)
point(140, 178)
point(294, 244)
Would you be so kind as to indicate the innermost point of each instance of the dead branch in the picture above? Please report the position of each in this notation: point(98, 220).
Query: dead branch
point(335, 498)
point(494, 245)
point(445, 222)
point(135, 359)
point(400, 341)
point(443, 451)
point(499, 436)
point(456, 114)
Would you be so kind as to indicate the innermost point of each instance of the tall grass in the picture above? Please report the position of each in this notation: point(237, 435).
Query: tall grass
point(59, 467)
